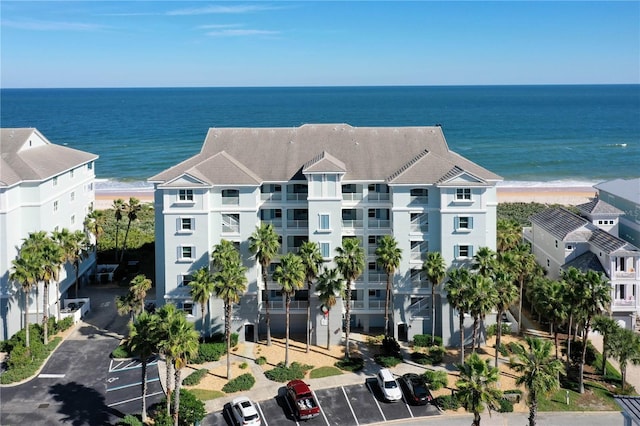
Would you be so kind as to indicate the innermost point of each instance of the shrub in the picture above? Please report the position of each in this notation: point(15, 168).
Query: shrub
point(221, 338)
point(576, 353)
point(208, 352)
point(447, 402)
point(420, 358)
point(195, 377)
point(240, 383)
point(22, 368)
point(436, 379)
point(121, 352)
point(19, 357)
point(425, 340)
point(65, 323)
point(130, 420)
point(51, 326)
point(493, 328)
point(191, 410)
point(351, 364)
point(261, 360)
point(387, 361)
point(390, 346)
point(283, 374)
point(375, 340)
point(506, 406)
point(503, 350)
point(243, 366)
point(436, 353)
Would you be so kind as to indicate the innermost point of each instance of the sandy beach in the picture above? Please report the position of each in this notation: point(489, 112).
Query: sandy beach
point(551, 194)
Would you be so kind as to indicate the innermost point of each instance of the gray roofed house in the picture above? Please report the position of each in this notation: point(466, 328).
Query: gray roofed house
point(630, 409)
point(624, 194)
point(322, 183)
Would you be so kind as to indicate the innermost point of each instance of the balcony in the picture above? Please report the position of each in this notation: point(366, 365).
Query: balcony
point(276, 223)
point(625, 304)
point(379, 223)
point(230, 201)
point(352, 196)
point(418, 256)
point(377, 277)
point(356, 304)
point(297, 196)
point(294, 305)
point(378, 196)
point(419, 201)
point(297, 224)
point(271, 196)
point(624, 274)
point(419, 227)
point(352, 223)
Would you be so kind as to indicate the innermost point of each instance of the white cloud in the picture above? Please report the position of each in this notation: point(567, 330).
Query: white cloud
point(240, 33)
point(219, 9)
point(51, 26)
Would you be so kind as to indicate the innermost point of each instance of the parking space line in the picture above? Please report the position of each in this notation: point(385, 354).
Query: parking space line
point(407, 405)
point(349, 404)
point(264, 419)
point(133, 399)
point(376, 401)
point(131, 385)
point(319, 406)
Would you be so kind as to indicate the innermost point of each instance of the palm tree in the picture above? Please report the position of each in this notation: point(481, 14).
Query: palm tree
point(118, 207)
point(127, 305)
point(556, 311)
point(184, 346)
point(230, 283)
point(24, 272)
point(165, 317)
point(435, 268)
point(539, 371)
point(330, 286)
point(80, 245)
point(142, 342)
point(607, 327)
point(483, 297)
point(523, 264)
point(94, 224)
point(290, 275)
point(388, 256)
point(484, 262)
point(202, 286)
point(598, 292)
point(625, 347)
point(350, 262)
point(509, 235)
point(457, 288)
point(139, 286)
point(311, 261)
point(477, 386)
point(507, 294)
point(131, 209)
point(573, 279)
point(264, 244)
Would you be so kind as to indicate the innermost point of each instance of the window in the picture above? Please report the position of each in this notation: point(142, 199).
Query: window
point(184, 280)
point(186, 253)
point(463, 194)
point(186, 224)
point(55, 181)
point(324, 224)
point(463, 251)
point(230, 196)
point(325, 250)
point(187, 307)
point(55, 206)
point(72, 195)
point(463, 222)
point(73, 219)
point(185, 194)
point(231, 223)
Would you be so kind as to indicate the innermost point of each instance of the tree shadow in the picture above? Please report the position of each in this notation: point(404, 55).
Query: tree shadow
point(82, 405)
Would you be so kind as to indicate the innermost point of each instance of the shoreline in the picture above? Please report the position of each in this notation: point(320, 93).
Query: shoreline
point(512, 193)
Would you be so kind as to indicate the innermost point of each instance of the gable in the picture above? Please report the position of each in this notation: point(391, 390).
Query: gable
point(184, 181)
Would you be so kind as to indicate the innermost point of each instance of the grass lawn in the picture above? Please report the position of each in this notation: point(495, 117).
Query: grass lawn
point(595, 398)
point(324, 372)
point(206, 394)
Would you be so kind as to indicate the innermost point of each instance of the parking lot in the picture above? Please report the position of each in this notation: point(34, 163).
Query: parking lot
point(351, 405)
point(123, 385)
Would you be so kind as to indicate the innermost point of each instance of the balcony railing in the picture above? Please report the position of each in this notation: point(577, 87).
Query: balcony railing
point(294, 305)
point(377, 277)
point(297, 223)
point(416, 255)
point(352, 196)
point(419, 227)
point(379, 223)
point(376, 304)
point(230, 201)
point(419, 201)
point(352, 223)
point(276, 223)
point(230, 228)
point(271, 196)
point(378, 196)
point(297, 196)
point(624, 303)
point(356, 304)
point(624, 274)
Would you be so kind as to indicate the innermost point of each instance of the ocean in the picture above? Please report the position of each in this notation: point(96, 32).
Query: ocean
point(558, 134)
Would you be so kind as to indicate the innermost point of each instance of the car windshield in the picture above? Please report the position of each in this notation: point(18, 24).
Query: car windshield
point(251, 417)
point(390, 385)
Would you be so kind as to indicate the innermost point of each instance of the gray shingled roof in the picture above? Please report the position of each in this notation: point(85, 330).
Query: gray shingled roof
point(19, 162)
point(629, 189)
point(597, 207)
point(585, 262)
point(630, 406)
point(368, 153)
point(558, 222)
point(610, 243)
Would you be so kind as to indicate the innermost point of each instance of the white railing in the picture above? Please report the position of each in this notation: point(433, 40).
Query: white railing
point(417, 255)
point(376, 304)
point(230, 228)
point(421, 306)
point(271, 196)
point(623, 303)
point(230, 201)
point(294, 305)
point(276, 223)
point(297, 196)
point(352, 196)
point(356, 304)
point(379, 223)
point(624, 274)
point(352, 223)
point(297, 223)
point(419, 227)
point(378, 196)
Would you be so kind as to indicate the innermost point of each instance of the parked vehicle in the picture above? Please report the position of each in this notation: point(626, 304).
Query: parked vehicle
point(416, 390)
point(388, 385)
point(304, 404)
point(244, 412)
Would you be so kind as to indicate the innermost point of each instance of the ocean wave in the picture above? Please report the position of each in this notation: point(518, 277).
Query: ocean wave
point(111, 185)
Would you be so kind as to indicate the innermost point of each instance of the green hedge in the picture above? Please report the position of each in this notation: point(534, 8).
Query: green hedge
point(436, 379)
point(121, 352)
point(261, 360)
point(240, 383)
point(493, 328)
point(209, 352)
point(387, 361)
point(283, 374)
point(24, 363)
point(506, 406)
point(130, 420)
point(351, 364)
point(425, 340)
point(447, 402)
point(195, 377)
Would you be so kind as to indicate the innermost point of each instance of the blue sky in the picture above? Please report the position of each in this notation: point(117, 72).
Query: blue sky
point(277, 43)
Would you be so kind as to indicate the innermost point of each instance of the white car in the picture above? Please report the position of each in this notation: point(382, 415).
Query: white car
point(244, 412)
point(388, 385)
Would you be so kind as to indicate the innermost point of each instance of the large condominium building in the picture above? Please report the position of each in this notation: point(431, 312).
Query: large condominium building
point(625, 195)
point(323, 183)
point(43, 187)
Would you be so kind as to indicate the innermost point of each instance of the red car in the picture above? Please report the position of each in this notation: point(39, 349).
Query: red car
point(304, 403)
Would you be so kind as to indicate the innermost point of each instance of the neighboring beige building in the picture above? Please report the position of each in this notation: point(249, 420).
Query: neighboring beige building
point(322, 183)
point(43, 187)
